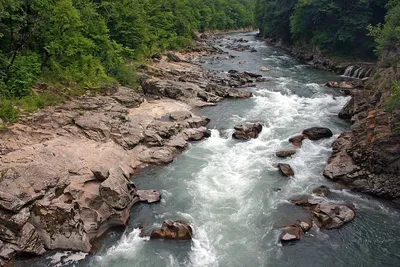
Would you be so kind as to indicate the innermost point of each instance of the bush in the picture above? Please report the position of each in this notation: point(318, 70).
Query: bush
point(7, 111)
point(394, 100)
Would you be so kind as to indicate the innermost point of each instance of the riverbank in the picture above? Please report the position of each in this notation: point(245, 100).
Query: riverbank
point(66, 170)
point(348, 68)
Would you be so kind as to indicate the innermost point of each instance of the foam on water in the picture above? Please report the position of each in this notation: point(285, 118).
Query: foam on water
point(235, 199)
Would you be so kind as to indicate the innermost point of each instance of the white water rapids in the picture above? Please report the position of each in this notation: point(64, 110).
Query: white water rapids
point(234, 197)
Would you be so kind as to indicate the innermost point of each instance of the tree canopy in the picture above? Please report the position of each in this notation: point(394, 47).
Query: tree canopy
point(89, 42)
point(334, 26)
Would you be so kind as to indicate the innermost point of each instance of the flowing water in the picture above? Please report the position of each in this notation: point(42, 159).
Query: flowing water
point(232, 194)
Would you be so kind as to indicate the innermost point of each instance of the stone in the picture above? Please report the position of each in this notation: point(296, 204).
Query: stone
point(149, 196)
point(297, 140)
point(285, 169)
point(317, 133)
point(343, 84)
point(180, 115)
point(322, 191)
point(176, 230)
point(291, 233)
point(101, 173)
point(247, 132)
point(265, 69)
point(327, 215)
point(285, 153)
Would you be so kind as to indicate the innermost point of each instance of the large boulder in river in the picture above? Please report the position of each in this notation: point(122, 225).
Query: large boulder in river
point(247, 132)
point(327, 215)
point(285, 169)
point(173, 230)
point(317, 133)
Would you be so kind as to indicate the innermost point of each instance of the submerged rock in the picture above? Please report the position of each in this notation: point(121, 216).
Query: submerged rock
point(322, 191)
point(247, 132)
point(285, 169)
point(173, 230)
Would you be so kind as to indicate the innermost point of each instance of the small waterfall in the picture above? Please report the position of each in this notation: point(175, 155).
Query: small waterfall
point(358, 72)
point(348, 71)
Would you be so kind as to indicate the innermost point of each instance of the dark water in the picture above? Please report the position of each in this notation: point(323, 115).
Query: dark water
point(227, 189)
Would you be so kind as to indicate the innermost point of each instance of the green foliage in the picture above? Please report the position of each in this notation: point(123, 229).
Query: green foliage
point(387, 36)
point(334, 26)
point(394, 100)
point(87, 44)
point(8, 112)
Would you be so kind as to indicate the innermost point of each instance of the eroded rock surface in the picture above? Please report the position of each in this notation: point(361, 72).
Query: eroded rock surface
point(65, 171)
point(367, 157)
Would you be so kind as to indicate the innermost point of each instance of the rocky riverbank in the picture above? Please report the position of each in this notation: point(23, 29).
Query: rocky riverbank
point(367, 158)
point(65, 171)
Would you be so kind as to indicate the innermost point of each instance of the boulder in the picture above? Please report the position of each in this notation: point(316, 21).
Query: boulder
point(327, 215)
point(291, 233)
point(297, 140)
point(317, 133)
point(322, 191)
point(285, 153)
point(247, 132)
point(285, 169)
point(149, 196)
point(265, 69)
point(173, 230)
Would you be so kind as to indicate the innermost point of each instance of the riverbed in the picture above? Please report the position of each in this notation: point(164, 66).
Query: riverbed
point(232, 194)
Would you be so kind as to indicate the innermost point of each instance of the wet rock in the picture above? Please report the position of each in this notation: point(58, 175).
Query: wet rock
point(149, 196)
point(265, 69)
point(297, 140)
point(322, 191)
point(343, 84)
point(101, 173)
point(195, 134)
point(247, 132)
point(285, 153)
point(262, 79)
point(253, 75)
point(291, 233)
point(285, 169)
point(317, 133)
point(327, 215)
point(173, 230)
point(232, 93)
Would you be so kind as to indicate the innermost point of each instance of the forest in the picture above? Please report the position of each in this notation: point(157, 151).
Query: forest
point(65, 47)
point(74, 45)
point(357, 28)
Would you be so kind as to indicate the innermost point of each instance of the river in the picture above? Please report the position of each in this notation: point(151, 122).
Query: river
point(234, 197)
